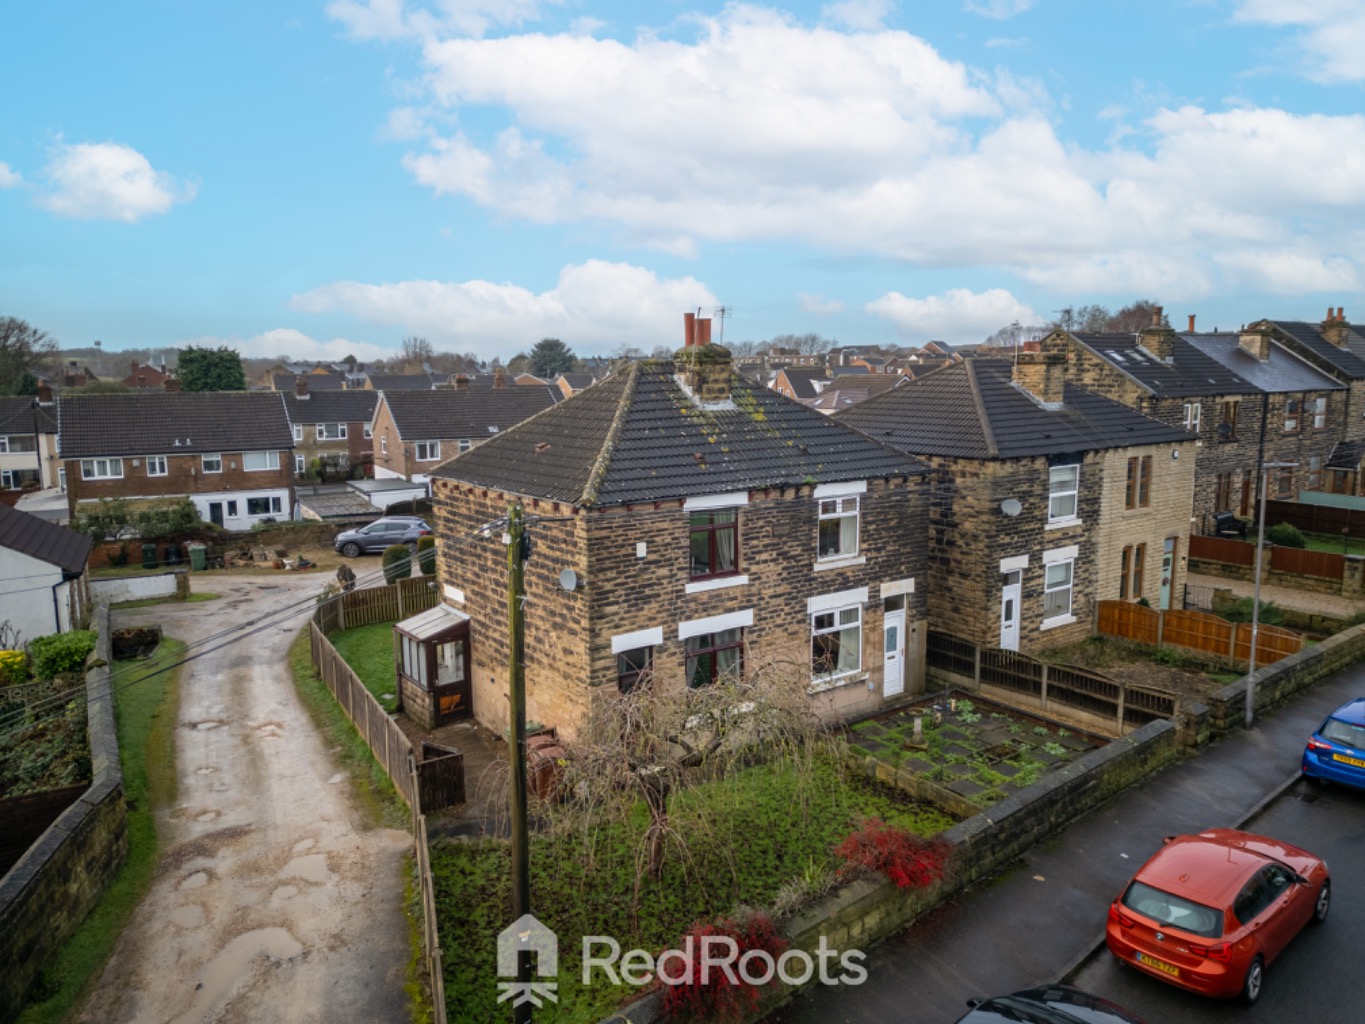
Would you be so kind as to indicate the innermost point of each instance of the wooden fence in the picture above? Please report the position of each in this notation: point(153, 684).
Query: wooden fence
point(1221, 549)
point(1317, 518)
point(392, 603)
point(1021, 680)
point(1299, 561)
point(1196, 631)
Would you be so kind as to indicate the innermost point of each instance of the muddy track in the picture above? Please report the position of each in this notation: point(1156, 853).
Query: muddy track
point(273, 899)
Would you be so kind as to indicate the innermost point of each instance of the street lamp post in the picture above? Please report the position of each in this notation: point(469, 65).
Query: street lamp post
point(1256, 591)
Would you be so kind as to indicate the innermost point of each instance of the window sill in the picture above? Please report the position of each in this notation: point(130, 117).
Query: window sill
point(839, 563)
point(716, 583)
point(1063, 524)
point(1060, 620)
point(825, 683)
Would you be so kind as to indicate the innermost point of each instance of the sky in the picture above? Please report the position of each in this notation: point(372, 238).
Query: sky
point(323, 178)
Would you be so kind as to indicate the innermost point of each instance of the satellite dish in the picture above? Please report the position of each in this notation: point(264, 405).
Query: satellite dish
point(1011, 507)
point(568, 580)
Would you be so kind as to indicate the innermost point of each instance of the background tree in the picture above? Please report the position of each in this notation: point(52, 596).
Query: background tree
point(806, 344)
point(23, 349)
point(519, 363)
point(551, 357)
point(27, 384)
point(415, 351)
point(211, 369)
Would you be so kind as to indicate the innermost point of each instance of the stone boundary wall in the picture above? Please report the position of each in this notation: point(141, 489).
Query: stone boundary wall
point(113, 589)
point(54, 886)
point(1347, 587)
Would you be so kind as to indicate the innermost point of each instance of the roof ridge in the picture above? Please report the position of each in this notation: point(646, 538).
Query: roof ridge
point(992, 448)
point(603, 461)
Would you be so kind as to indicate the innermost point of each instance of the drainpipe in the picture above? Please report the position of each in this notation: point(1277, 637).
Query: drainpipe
point(56, 606)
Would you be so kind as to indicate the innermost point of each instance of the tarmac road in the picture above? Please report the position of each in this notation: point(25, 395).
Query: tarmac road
point(273, 900)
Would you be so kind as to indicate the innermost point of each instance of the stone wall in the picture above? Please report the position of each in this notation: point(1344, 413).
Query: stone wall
point(1166, 516)
point(54, 886)
point(1289, 580)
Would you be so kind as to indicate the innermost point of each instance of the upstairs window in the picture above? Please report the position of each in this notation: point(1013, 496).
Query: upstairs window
point(1062, 484)
point(1320, 413)
point(427, 451)
point(713, 542)
point(712, 656)
point(212, 463)
point(298, 432)
point(256, 462)
point(1227, 429)
point(1291, 416)
point(836, 643)
point(12, 443)
point(369, 434)
point(1193, 412)
point(838, 527)
point(465, 445)
point(331, 431)
point(156, 465)
point(101, 469)
point(1138, 492)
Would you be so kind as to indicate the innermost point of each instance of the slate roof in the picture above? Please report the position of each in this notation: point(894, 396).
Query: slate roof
point(637, 436)
point(1192, 373)
point(576, 381)
point(19, 415)
point(1346, 455)
point(151, 423)
point(972, 410)
point(316, 381)
point(1349, 360)
point(402, 381)
point(803, 380)
point(1282, 371)
point(47, 542)
point(331, 406)
point(459, 413)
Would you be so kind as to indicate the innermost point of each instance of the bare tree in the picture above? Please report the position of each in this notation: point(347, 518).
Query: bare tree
point(415, 351)
point(23, 349)
point(806, 344)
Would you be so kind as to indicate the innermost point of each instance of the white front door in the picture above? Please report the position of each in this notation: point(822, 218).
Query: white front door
point(893, 630)
point(1009, 611)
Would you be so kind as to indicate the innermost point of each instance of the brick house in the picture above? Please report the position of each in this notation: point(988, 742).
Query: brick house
point(1046, 498)
point(227, 451)
point(28, 447)
point(330, 425)
point(801, 384)
point(1247, 397)
point(145, 377)
point(415, 431)
point(715, 527)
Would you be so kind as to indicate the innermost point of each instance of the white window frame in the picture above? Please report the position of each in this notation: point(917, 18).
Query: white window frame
point(101, 469)
point(300, 465)
point(368, 432)
point(298, 432)
point(212, 463)
point(837, 624)
point(840, 507)
point(9, 480)
point(432, 449)
point(272, 462)
point(273, 506)
point(158, 461)
point(465, 445)
point(5, 444)
point(1293, 412)
point(232, 508)
point(323, 431)
point(383, 444)
point(1194, 414)
point(1049, 587)
point(1054, 493)
point(1320, 413)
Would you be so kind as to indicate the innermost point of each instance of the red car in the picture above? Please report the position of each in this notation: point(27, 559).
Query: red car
point(1210, 912)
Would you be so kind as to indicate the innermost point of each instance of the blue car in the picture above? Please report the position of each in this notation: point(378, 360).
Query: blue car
point(1337, 750)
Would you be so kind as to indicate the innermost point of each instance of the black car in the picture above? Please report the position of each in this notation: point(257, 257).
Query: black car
point(1053, 1004)
point(380, 534)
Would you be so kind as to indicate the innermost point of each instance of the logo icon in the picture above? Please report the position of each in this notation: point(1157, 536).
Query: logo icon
point(527, 935)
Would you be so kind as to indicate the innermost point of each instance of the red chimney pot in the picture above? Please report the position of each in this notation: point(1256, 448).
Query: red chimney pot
point(689, 329)
point(1191, 323)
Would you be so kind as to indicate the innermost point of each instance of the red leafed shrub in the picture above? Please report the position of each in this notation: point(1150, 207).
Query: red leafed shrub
point(718, 991)
point(905, 858)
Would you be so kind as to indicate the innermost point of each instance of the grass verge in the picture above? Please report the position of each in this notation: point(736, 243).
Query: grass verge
point(145, 714)
point(369, 652)
point(148, 602)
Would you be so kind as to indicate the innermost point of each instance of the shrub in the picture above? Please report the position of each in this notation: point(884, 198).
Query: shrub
point(426, 555)
point(13, 668)
point(397, 562)
point(906, 859)
point(712, 995)
point(1240, 611)
point(1286, 535)
point(61, 652)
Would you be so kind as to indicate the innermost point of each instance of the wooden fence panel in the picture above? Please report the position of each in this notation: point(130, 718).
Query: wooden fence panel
point(950, 653)
point(1272, 643)
point(1308, 563)
point(1012, 670)
point(1220, 549)
point(1085, 691)
point(1316, 518)
point(1198, 631)
point(1126, 619)
point(440, 777)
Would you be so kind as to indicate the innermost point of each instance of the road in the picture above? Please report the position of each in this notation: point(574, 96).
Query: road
point(1318, 977)
point(273, 900)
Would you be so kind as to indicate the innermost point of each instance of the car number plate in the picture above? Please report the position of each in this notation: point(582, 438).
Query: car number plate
point(1349, 760)
point(1160, 965)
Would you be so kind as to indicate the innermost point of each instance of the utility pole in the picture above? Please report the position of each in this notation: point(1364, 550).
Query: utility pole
point(516, 679)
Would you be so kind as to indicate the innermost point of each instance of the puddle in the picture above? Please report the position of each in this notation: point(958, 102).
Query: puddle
point(284, 892)
point(195, 881)
point(335, 779)
point(304, 844)
point(311, 868)
point(271, 590)
point(187, 917)
point(232, 964)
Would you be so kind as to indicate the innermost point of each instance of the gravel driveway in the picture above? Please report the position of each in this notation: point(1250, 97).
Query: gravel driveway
point(274, 899)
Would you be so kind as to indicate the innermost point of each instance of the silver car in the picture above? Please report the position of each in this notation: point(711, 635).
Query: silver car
point(380, 534)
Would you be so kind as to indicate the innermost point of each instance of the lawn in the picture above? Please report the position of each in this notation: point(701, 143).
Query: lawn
point(1334, 543)
point(369, 651)
point(747, 835)
point(145, 708)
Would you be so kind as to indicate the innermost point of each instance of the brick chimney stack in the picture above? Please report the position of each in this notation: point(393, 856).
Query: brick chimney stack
point(499, 378)
point(703, 368)
point(301, 387)
point(173, 384)
point(461, 382)
point(1040, 369)
point(45, 394)
point(1335, 328)
point(1158, 339)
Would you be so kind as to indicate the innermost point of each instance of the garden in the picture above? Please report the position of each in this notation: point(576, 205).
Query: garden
point(43, 744)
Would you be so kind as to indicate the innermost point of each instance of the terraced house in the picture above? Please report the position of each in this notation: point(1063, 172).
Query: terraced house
point(331, 428)
point(28, 447)
point(227, 451)
point(712, 526)
point(1046, 497)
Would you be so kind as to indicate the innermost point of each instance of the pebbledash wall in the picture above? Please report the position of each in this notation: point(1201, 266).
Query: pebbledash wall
point(113, 589)
point(56, 884)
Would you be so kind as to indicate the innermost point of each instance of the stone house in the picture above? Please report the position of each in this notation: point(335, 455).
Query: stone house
point(227, 451)
point(331, 427)
point(1046, 497)
point(1247, 397)
point(44, 564)
point(415, 431)
point(711, 526)
point(28, 447)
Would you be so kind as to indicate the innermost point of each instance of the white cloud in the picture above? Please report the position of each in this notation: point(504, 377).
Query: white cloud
point(109, 181)
point(857, 14)
point(404, 124)
point(1331, 36)
point(594, 307)
point(286, 341)
point(396, 19)
point(9, 178)
point(997, 9)
point(958, 316)
point(818, 303)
